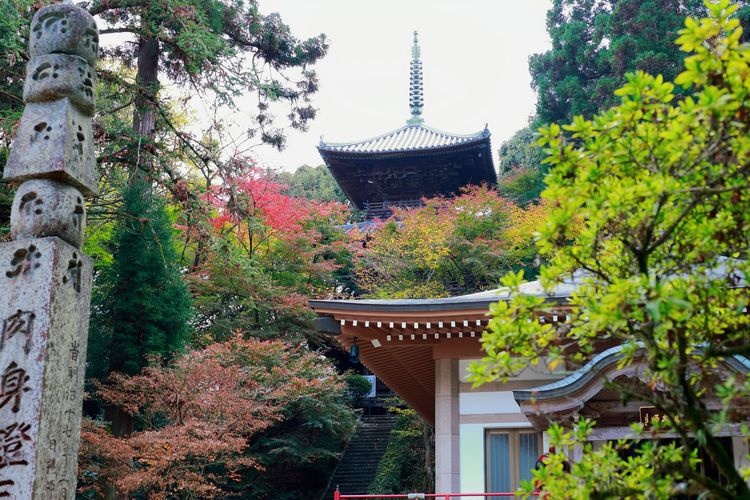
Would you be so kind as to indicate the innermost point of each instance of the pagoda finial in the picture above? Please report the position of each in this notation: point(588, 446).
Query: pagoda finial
point(415, 85)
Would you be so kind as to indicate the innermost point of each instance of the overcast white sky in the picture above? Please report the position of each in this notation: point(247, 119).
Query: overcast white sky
point(474, 55)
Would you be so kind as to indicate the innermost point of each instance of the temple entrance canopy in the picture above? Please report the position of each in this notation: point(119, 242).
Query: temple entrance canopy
point(399, 168)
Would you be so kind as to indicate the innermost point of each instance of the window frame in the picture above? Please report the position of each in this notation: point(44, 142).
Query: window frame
point(514, 448)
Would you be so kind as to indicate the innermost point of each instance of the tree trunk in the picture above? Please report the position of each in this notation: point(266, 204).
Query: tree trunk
point(144, 117)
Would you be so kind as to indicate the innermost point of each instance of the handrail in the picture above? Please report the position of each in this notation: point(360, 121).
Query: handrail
point(337, 495)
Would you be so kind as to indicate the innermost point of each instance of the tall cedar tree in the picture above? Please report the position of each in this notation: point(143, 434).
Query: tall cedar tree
point(595, 42)
point(220, 48)
point(146, 306)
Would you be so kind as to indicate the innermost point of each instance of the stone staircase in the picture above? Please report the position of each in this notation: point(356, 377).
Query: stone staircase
point(358, 466)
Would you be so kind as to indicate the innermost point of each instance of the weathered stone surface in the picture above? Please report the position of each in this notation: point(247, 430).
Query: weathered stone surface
point(54, 76)
point(46, 290)
point(54, 141)
point(43, 208)
point(64, 29)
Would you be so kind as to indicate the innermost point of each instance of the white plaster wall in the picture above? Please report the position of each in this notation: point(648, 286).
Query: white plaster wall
point(538, 372)
point(484, 403)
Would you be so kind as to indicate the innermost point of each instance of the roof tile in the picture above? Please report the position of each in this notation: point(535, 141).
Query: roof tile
point(408, 138)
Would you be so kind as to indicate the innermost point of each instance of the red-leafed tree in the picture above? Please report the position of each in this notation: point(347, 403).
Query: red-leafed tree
point(268, 252)
point(197, 419)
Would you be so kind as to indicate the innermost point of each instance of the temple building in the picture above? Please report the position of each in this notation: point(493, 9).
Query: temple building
point(399, 168)
point(487, 439)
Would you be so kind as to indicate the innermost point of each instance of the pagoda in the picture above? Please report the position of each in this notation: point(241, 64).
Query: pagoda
point(400, 168)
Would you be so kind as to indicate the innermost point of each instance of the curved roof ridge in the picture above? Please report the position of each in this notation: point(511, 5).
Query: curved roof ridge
point(599, 364)
point(408, 137)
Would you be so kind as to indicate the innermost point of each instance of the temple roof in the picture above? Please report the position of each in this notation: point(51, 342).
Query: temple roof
point(596, 367)
point(400, 168)
point(560, 292)
point(410, 138)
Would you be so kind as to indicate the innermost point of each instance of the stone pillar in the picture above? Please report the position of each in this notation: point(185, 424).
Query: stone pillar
point(447, 471)
point(45, 280)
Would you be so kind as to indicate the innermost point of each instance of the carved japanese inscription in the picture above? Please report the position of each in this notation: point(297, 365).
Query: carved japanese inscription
point(44, 278)
point(64, 29)
point(42, 355)
point(19, 323)
point(54, 76)
point(13, 385)
point(23, 261)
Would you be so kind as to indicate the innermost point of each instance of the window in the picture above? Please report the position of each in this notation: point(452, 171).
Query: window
point(510, 456)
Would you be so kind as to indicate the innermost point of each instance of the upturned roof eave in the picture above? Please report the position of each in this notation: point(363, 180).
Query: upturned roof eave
point(407, 305)
point(597, 365)
point(457, 140)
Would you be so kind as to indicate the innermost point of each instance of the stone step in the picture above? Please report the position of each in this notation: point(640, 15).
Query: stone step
point(359, 464)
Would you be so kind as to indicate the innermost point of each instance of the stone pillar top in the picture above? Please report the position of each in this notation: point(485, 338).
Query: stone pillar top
point(64, 28)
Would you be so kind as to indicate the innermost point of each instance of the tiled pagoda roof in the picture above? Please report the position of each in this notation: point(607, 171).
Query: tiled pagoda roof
point(410, 138)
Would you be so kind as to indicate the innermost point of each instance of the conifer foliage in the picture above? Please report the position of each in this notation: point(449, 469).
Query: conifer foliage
point(145, 306)
point(595, 43)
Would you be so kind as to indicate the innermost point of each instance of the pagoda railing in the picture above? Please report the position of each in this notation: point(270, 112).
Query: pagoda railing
point(384, 209)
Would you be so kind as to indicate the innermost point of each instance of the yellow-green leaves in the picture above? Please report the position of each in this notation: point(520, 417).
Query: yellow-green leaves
point(650, 210)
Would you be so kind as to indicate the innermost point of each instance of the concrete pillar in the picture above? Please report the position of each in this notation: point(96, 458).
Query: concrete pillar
point(447, 472)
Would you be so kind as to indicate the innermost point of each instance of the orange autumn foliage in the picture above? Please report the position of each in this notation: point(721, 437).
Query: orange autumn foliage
point(196, 418)
point(447, 247)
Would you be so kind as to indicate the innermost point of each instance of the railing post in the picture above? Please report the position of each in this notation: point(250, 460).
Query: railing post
point(337, 493)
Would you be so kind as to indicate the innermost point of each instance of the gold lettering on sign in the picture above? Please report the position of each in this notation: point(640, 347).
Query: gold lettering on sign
point(650, 416)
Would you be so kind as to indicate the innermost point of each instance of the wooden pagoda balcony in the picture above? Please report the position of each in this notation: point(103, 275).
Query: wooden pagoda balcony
point(384, 209)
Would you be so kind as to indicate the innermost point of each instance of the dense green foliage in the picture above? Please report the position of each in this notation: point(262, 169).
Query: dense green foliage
point(145, 307)
point(14, 28)
point(407, 464)
point(519, 152)
point(595, 43)
point(521, 170)
point(298, 453)
point(652, 203)
point(313, 183)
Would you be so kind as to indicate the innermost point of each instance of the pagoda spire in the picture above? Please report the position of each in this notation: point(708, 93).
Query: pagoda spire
point(415, 85)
